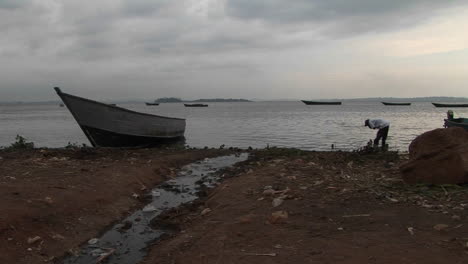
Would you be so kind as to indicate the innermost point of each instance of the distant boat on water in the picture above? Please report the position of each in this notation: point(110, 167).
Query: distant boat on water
point(151, 103)
point(195, 105)
point(389, 103)
point(112, 126)
point(320, 103)
point(449, 105)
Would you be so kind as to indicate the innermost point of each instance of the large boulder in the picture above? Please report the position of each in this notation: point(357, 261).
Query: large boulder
point(439, 156)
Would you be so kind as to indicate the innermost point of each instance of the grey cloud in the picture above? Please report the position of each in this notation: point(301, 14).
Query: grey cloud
point(13, 4)
point(339, 17)
point(143, 7)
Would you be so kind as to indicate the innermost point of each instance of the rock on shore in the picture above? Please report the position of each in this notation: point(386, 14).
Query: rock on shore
point(439, 156)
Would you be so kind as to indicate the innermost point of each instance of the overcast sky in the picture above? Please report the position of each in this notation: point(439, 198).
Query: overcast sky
point(268, 49)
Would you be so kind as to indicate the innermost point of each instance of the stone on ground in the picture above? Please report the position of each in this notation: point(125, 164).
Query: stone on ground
point(439, 156)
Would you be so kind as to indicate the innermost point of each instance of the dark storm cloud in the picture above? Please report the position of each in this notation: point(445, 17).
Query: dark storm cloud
point(340, 17)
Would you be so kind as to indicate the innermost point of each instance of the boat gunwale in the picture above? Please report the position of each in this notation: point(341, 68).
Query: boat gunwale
point(449, 105)
point(309, 102)
point(396, 103)
point(60, 93)
point(196, 105)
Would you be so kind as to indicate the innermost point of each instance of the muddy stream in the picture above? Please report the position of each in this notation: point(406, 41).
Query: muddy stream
point(127, 241)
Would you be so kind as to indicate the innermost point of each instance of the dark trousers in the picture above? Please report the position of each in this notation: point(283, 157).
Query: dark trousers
point(381, 134)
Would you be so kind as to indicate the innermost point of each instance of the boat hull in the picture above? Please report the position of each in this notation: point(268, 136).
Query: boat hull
point(105, 138)
point(387, 103)
point(195, 105)
point(112, 126)
point(320, 103)
point(449, 105)
point(457, 122)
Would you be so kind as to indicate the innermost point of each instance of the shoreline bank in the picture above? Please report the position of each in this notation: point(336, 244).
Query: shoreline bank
point(67, 197)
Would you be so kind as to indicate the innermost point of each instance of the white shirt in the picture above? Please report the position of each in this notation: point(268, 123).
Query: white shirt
point(378, 123)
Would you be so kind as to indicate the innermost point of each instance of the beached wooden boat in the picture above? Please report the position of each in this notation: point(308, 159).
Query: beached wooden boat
point(112, 126)
point(457, 122)
point(195, 105)
point(389, 103)
point(449, 105)
point(320, 102)
point(151, 103)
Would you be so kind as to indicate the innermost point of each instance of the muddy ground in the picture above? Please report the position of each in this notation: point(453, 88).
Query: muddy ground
point(288, 206)
point(66, 197)
point(280, 206)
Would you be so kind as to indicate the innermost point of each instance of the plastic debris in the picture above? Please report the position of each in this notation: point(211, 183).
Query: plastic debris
point(33, 240)
point(149, 208)
point(277, 202)
point(205, 211)
point(93, 241)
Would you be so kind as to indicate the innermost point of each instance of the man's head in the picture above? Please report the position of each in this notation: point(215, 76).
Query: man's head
point(366, 123)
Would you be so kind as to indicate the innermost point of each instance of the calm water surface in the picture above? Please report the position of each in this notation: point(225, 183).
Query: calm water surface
point(255, 124)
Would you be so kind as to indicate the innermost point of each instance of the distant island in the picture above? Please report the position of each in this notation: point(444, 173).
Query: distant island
point(179, 100)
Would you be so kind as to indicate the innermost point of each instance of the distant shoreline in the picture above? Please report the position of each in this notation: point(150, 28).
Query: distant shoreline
point(370, 99)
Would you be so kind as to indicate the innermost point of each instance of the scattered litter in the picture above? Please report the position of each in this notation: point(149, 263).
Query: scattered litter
point(456, 217)
point(268, 192)
point(134, 195)
point(56, 236)
point(205, 211)
point(155, 193)
point(411, 230)
point(340, 228)
point(149, 208)
point(318, 183)
point(97, 252)
point(278, 217)
point(261, 254)
point(356, 215)
point(48, 200)
point(105, 255)
point(277, 202)
point(440, 227)
point(33, 240)
point(93, 241)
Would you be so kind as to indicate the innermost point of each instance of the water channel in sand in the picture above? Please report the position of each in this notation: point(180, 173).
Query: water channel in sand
point(125, 242)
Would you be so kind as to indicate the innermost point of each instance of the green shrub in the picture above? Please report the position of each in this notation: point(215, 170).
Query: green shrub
point(21, 143)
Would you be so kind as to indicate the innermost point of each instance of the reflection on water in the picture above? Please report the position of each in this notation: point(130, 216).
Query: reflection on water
point(256, 124)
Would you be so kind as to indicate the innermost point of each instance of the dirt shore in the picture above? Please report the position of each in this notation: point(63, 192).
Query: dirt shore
point(311, 207)
point(280, 206)
point(65, 197)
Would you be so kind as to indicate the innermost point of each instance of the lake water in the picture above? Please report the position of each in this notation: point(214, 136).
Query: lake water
point(255, 124)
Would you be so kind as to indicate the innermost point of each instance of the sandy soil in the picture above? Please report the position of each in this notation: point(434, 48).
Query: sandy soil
point(66, 197)
point(335, 208)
